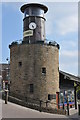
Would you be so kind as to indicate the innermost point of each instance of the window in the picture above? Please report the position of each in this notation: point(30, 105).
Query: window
point(44, 70)
point(20, 64)
point(31, 88)
point(50, 97)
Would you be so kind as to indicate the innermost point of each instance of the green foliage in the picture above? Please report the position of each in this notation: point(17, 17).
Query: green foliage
point(75, 84)
point(78, 87)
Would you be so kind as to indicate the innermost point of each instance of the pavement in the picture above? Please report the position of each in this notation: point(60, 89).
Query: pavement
point(12, 110)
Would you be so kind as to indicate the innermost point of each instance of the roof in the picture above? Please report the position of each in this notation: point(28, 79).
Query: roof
point(34, 5)
point(70, 76)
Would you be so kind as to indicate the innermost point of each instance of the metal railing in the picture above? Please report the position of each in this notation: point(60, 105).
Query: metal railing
point(36, 103)
point(45, 42)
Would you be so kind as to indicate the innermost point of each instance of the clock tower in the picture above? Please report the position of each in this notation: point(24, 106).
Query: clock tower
point(34, 64)
point(34, 22)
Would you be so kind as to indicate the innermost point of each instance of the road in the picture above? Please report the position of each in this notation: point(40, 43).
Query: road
point(11, 110)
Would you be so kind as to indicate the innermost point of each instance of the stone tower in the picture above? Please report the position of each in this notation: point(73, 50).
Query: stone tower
point(34, 64)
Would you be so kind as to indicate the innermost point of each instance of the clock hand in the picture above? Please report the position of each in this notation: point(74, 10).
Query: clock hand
point(32, 26)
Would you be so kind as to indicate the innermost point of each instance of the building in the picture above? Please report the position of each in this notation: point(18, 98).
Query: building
point(34, 64)
point(68, 85)
point(4, 73)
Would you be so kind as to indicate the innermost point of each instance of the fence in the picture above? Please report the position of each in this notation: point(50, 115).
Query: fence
point(36, 104)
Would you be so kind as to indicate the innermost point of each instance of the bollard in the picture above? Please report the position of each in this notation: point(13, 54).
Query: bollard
point(67, 108)
point(6, 96)
point(40, 105)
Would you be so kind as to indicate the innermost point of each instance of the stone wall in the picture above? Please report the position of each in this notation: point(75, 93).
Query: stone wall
point(33, 58)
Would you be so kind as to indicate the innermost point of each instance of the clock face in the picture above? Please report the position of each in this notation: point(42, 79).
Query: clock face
point(32, 25)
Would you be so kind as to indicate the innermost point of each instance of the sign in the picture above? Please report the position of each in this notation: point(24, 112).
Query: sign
point(28, 33)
